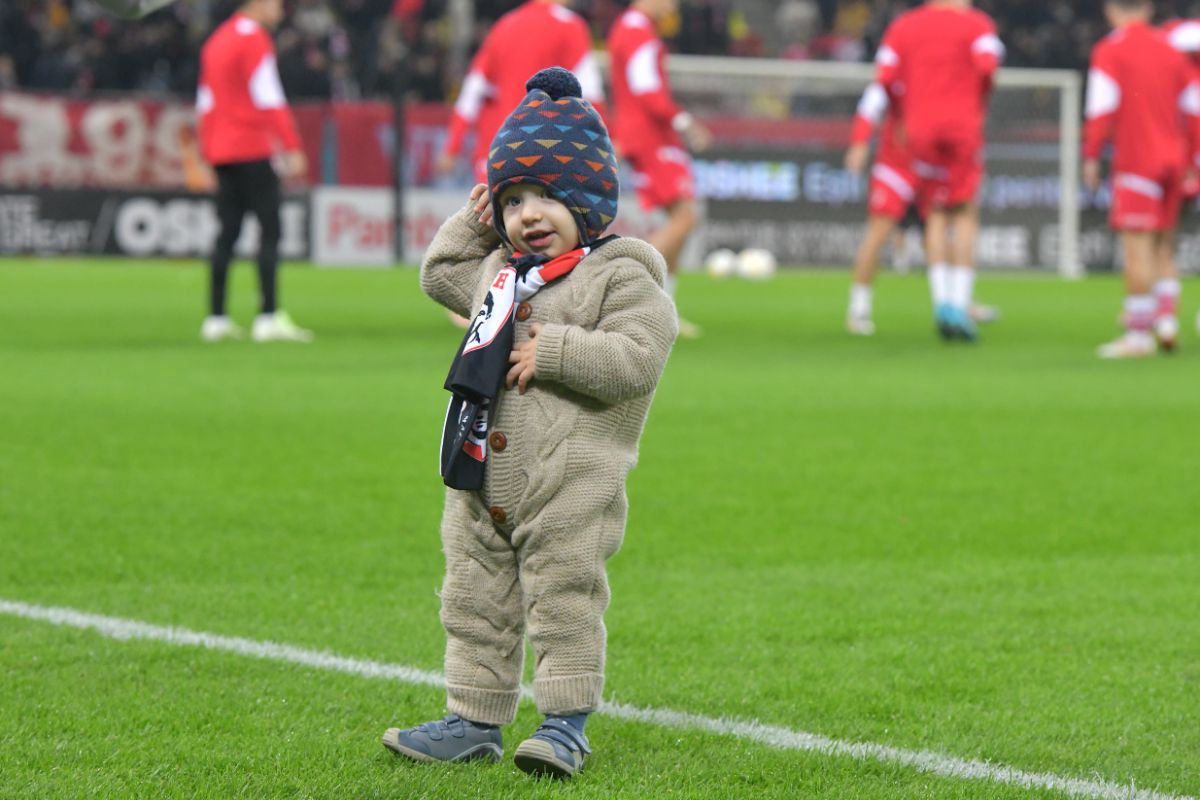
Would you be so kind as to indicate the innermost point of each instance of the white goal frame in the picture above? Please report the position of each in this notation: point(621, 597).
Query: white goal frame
point(690, 72)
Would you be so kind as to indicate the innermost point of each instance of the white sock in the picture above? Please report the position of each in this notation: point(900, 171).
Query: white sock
point(1139, 312)
point(669, 285)
point(939, 283)
point(962, 286)
point(860, 300)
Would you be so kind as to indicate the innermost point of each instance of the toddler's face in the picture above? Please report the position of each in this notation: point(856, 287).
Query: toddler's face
point(536, 223)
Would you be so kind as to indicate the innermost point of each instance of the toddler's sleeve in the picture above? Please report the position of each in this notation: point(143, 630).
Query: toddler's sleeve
point(625, 355)
point(452, 265)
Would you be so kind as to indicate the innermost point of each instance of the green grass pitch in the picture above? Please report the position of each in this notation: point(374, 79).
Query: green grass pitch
point(988, 552)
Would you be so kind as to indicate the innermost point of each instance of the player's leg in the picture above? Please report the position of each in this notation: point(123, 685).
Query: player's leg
point(663, 179)
point(230, 212)
point(1165, 270)
point(1166, 289)
point(964, 232)
point(937, 250)
point(673, 235)
point(858, 315)
point(889, 197)
point(272, 323)
point(1140, 213)
point(1138, 248)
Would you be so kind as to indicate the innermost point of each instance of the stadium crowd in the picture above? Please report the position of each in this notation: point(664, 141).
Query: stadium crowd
point(349, 49)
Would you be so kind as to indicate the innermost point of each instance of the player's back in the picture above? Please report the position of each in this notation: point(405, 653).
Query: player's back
point(938, 51)
point(235, 87)
point(525, 41)
point(641, 105)
point(1137, 71)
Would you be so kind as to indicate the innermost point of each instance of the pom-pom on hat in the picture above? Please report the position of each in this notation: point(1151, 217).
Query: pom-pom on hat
point(555, 139)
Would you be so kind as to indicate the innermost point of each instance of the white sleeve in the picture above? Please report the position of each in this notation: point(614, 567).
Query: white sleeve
point(641, 73)
point(266, 90)
point(590, 81)
point(1103, 94)
point(874, 104)
point(990, 44)
point(1186, 37)
point(475, 90)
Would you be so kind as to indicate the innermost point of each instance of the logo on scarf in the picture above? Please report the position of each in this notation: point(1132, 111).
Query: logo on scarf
point(490, 319)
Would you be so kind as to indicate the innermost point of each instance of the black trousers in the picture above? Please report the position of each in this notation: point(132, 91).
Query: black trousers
point(241, 187)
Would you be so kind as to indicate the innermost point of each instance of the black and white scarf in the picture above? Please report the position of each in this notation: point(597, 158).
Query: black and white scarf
point(482, 361)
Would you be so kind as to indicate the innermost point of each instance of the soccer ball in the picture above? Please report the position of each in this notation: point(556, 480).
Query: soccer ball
point(132, 9)
point(721, 263)
point(756, 264)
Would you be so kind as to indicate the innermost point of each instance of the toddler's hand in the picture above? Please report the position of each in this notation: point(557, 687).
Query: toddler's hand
point(483, 203)
point(524, 361)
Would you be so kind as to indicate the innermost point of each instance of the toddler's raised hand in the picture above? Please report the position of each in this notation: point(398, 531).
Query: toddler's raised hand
point(483, 203)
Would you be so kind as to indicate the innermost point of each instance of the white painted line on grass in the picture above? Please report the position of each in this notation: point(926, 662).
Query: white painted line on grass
point(770, 735)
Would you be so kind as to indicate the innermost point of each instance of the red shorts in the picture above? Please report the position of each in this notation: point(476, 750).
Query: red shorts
point(892, 190)
point(1143, 203)
point(949, 171)
point(662, 176)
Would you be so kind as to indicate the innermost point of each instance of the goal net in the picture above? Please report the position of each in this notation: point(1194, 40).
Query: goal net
point(774, 177)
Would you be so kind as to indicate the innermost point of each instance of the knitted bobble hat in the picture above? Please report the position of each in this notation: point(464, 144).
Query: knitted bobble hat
point(555, 139)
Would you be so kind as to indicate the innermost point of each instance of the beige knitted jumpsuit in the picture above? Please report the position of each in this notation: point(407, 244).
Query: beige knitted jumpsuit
point(525, 555)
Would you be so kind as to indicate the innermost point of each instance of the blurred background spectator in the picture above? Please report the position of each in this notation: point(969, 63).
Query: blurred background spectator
point(351, 49)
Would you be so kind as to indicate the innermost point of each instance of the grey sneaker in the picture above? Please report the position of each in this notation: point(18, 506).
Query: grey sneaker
point(449, 739)
point(556, 749)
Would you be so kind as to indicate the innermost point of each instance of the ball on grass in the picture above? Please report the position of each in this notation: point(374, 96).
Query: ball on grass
point(756, 264)
point(721, 263)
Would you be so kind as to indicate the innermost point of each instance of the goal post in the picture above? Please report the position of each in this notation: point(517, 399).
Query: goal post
point(774, 178)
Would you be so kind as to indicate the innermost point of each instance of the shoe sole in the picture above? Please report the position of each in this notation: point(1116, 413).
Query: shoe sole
point(538, 758)
point(487, 750)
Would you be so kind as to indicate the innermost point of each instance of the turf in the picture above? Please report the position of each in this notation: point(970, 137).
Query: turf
point(989, 552)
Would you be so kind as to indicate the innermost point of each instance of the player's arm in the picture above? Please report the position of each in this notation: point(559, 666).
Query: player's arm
point(452, 265)
point(476, 90)
point(1189, 108)
point(624, 355)
point(889, 60)
point(1185, 37)
point(987, 54)
point(872, 106)
point(578, 57)
point(266, 92)
point(1100, 112)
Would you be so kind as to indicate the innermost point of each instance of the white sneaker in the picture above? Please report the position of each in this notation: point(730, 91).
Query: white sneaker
point(980, 312)
point(1166, 332)
point(689, 330)
point(216, 329)
point(278, 327)
point(1134, 344)
point(860, 326)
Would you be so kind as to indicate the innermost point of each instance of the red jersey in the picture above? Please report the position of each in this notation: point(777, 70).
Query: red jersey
point(643, 108)
point(941, 60)
point(1141, 94)
point(876, 110)
point(529, 38)
point(240, 104)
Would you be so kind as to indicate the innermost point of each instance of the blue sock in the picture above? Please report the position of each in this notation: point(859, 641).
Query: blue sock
point(576, 721)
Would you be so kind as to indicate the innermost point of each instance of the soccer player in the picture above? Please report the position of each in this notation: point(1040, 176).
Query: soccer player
point(650, 129)
point(941, 58)
point(534, 36)
point(1184, 36)
point(890, 194)
point(1142, 96)
point(891, 198)
point(243, 118)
